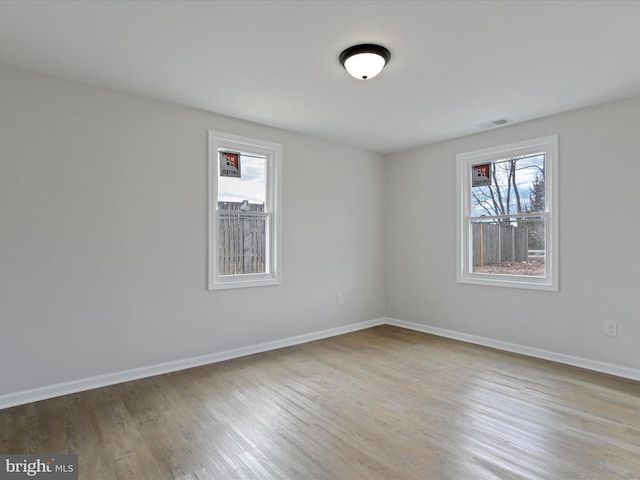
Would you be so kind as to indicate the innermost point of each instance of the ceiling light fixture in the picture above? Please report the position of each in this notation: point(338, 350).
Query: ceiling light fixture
point(364, 61)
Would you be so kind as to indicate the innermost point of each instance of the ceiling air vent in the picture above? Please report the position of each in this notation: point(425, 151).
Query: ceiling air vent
point(495, 123)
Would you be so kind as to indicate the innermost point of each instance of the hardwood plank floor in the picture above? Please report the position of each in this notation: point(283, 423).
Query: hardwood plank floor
point(382, 403)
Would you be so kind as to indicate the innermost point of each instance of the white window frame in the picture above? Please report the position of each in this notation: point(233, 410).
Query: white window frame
point(273, 208)
point(464, 161)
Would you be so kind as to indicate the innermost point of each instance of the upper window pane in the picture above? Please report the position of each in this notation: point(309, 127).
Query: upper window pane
point(508, 186)
point(242, 177)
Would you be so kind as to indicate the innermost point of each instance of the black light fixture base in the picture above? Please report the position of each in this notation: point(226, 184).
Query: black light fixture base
point(365, 48)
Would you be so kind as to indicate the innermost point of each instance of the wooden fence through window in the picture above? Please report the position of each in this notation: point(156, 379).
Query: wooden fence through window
point(498, 242)
point(241, 238)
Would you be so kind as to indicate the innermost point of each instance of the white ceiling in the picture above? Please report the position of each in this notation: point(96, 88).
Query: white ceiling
point(454, 64)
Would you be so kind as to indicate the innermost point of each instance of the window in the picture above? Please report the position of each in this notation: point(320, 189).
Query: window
point(244, 212)
point(507, 215)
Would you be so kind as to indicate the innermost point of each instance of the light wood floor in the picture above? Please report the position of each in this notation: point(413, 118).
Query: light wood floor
point(383, 403)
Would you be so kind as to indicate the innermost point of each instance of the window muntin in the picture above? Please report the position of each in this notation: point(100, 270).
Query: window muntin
point(507, 224)
point(244, 221)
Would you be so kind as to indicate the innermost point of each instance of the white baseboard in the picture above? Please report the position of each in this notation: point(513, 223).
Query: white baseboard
point(75, 386)
point(594, 365)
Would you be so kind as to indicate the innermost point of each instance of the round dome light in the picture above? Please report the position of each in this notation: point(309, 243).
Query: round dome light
point(364, 61)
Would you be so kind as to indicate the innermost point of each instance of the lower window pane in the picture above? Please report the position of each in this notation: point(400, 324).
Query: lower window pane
point(509, 246)
point(242, 244)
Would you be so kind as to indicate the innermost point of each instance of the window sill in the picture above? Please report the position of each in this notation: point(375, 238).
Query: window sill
point(232, 283)
point(509, 281)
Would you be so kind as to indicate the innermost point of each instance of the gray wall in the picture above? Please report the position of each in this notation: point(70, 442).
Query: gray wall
point(599, 252)
point(103, 235)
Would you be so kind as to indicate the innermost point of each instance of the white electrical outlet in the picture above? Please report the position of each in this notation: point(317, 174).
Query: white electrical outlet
point(339, 299)
point(611, 328)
